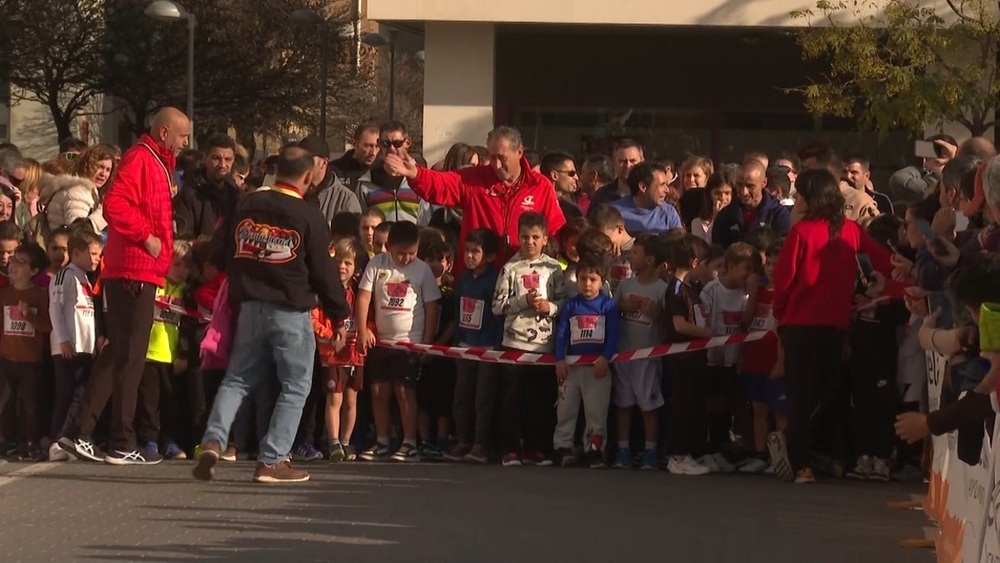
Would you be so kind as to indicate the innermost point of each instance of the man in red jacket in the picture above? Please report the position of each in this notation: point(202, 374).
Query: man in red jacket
point(491, 196)
point(137, 256)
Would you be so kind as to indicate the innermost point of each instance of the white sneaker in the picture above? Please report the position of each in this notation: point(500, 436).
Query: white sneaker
point(754, 466)
point(56, 453)
point(723, 464)
point(708, 461)
point(879, 470)
point(686, 465)
point(862, 469)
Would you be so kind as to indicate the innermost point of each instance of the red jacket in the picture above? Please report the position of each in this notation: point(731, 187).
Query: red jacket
point(487, 203)
point(138, 205)
point(814, 280)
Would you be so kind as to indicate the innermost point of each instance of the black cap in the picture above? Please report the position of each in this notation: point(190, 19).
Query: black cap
point(316, 145)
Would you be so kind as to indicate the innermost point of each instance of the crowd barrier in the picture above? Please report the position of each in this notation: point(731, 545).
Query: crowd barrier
point(963, 499)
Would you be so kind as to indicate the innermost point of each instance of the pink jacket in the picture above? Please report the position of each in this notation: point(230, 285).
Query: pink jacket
point(217, 344)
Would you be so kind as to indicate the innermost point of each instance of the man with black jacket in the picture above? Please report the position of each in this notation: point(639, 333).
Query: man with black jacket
point(755, 207)
point(210, 195)
point(280, 266)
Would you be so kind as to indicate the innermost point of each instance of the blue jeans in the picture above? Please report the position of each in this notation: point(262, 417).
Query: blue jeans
point(266, 334)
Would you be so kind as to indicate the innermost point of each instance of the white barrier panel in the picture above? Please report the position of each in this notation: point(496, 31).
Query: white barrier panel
point(991, 531)
point(978, 488)
point(935, 502)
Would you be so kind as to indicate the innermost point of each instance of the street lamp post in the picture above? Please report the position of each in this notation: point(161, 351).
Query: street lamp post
point(168, 11)
point(378, 40)
point(307, 17)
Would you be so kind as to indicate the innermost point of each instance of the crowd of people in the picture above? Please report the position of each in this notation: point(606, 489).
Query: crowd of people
point(167, 303)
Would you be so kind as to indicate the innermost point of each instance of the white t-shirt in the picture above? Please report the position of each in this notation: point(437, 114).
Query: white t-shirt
point(724, 316)
point(638, 330)
point(398, 296)
point(71, 310)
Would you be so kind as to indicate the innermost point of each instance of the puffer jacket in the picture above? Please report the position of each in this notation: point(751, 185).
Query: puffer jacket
point(69, 198)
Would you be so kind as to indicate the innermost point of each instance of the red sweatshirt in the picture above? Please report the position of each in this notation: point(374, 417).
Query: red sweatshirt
point(814, 280)
point(487, 204)
point(138, 205)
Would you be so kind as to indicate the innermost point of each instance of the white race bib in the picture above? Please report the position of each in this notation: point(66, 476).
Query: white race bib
point(349, 325)
point(166, 316)
point(471, 313)
point(732, 321)
point(586, 329)
point(762, 320)
point(14, 322)
point(399, 296)
point(636, 317)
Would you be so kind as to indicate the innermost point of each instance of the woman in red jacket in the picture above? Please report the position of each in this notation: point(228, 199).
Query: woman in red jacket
point(815, 282)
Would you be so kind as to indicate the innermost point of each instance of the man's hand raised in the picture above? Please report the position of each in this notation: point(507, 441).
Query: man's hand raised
point(400, 165)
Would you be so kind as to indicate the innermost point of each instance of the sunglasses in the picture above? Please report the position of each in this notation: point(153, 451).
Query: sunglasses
point(570, 173)
point(386, 143)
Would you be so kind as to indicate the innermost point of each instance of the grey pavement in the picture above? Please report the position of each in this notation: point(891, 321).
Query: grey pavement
point(429, 512)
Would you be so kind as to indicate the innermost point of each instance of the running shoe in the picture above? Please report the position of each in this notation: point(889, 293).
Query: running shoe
point(862, 469)
point(649, 460)
point(407, 453)
point(804, 477)
point(880, 470)
point(133, 457)
point(536, 458)
point(151, 447)
point(229, 454)
point(56, 453)
point(722, 462)
point(206, 456)
point(511, 459)
point(708, 460)
point(478, 454)
point(779, 456)
point(378, 452)
point(430, 452)
point(82, 449)
point(458, 453)
point(686, 465)
point(281, 472)
point(350, 454)
point(623, 459)
point(595, 457)
point(565, 457)
point(307, 452)
point(337, 453)
point(754, 466)
point(173, 451)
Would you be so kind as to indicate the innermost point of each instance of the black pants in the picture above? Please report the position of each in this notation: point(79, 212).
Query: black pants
point(118, 371)
point(530, 390)
point(19, 389)
point(158, 408)
point(475, 401)
point(873, 395)
point(688, 426)
point(813, 370)
point(70, 384)
point(314, 411)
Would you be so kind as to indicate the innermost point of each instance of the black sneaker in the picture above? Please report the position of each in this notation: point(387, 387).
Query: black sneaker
point(595, 458)
point(134, 457)
point(82, 449)
point(565, 457)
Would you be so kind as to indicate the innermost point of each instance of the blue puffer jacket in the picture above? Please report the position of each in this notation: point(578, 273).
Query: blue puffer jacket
point(728, 227)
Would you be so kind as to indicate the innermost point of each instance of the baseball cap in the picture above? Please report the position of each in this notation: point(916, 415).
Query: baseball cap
point(316, 145)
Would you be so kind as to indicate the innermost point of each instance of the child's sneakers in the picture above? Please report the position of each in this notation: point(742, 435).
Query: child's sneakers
point(350, 454)
point(377, 452)
point(779, 456)
point(686, 465)
point(862, 469)
point(478, 454)
point(804, 477)
point(649, 460)
point(623, 459)
point(754, 466)
point(431, 452)
point(173, 451)
point(229, 454)
point(458, 453)
point(565, 457)
point(536, 458)
point(307, 452)
point(56, 453)
point(717, 463)
point(337, 453)
point(880, 470)
point(407, 453)
point(511, 459)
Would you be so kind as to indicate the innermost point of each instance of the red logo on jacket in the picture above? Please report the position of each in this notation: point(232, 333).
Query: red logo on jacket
point(266, 243)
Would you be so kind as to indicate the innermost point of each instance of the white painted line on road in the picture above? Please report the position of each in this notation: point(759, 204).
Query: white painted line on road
point(32, 469)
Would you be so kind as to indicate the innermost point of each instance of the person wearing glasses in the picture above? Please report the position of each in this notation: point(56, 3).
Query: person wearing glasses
point(392, 194)
point(561, 169)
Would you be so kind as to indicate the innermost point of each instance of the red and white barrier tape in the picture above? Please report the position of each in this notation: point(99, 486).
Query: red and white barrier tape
point(175, 308)
point(517, 357)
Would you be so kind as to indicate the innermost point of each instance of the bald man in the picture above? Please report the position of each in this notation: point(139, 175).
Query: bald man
point(753, 208)
point(137, 256)
point(980, 147)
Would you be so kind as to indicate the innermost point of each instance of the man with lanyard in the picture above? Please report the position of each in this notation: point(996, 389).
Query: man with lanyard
point(137, 256)
point(491, 196)
point(279, 268)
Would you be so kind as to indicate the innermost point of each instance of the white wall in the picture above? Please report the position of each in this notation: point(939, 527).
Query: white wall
point(458, 85)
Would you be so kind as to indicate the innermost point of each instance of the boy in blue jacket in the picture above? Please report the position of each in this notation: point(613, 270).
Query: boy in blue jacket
point(588, 324)
point(477, 326)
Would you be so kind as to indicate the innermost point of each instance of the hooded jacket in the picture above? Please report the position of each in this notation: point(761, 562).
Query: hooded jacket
point(200, 205)
point(349, 170)
point(67, 199)
point(334, 197)
point(728, 227)
point(136, 206)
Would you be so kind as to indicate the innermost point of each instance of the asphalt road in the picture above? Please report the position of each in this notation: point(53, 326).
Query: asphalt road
point(427, 512)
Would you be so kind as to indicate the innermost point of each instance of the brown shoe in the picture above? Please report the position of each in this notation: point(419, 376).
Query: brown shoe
point(208, 456)
point(229, 454)
point(279, 473)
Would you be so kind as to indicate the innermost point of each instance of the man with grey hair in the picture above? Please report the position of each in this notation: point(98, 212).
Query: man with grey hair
point(491, 196)
point(11, 169)
point(596, 171)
